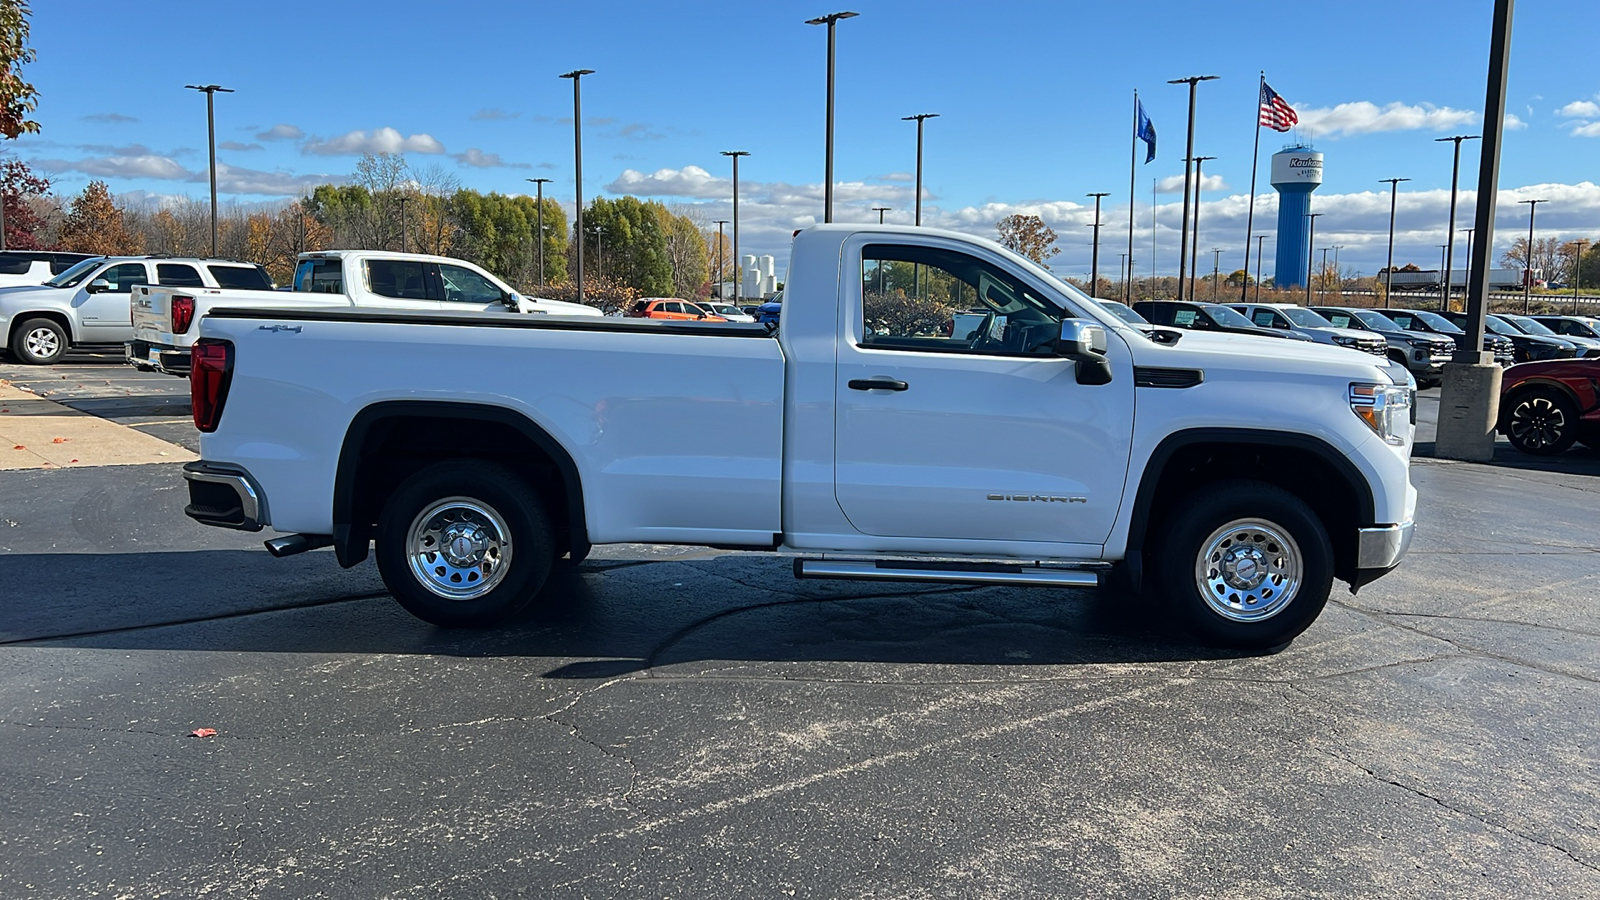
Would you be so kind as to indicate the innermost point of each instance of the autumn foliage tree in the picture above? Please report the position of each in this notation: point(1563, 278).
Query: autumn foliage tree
point(95, 225)
point(20, 187)
point(18, 99)
point(1028, 236)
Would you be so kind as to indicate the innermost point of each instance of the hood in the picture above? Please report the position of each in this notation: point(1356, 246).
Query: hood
point(1355, 333)
point(12, 297)
point(1244, 353)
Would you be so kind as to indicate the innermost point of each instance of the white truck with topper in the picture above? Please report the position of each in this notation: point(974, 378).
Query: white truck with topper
point(163, 317)
point(1051, 445)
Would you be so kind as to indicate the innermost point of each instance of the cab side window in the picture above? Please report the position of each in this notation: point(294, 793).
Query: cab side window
point(463, 285)
point(930, 299)
point(124, 276)
point(1339, 319)
point(178, 275)
point(400, 279)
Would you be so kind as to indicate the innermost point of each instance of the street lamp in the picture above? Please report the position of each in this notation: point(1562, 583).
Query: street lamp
point(1183, 241)
point(539, 184)
point(1094, 266)
point(577, 157)
point(919, 119)
point(722, 251)
point(1527, 274)
point(1577, 273)
point(1450, 234)
point(829, 20)
point(880, 210)
point(1338, 282)
point(738, 270)
point(405, 243)
point(1194, 247)
point(1259, 239)
point(1322, 275)
point(1394, 192)
point(1216, 271)
point(600, 253)
point(1311, 248)
point(210, 90)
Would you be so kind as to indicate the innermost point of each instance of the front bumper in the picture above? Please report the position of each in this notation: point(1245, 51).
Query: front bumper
point(149, 357)
point(1379, 550)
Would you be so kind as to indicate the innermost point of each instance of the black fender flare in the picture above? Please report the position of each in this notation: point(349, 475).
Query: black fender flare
point(350, 540)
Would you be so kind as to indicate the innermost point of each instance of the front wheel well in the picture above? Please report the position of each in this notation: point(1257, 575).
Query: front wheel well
point(1334, 490)
point(17, 321)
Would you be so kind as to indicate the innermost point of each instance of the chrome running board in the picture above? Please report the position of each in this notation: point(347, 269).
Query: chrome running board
point(1014, 575)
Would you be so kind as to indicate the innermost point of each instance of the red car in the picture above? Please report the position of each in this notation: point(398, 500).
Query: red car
point(1546, 406)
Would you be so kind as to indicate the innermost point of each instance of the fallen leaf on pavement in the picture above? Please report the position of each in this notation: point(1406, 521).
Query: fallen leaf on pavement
point(71, 460)
point(202, 732)
point(59, 440)
point(19, 447)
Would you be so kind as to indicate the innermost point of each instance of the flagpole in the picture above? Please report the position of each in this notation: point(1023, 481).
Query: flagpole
point(1133, 171)
point(1152, 238)
point(1250, 220)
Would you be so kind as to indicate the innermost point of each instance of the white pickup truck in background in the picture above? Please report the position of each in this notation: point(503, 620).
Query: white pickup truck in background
point(163, 318)
point(1049, 445)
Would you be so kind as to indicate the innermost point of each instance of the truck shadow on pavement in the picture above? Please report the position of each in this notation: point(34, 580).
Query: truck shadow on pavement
point(602, 619)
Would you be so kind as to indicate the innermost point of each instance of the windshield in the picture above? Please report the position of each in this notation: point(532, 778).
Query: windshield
point(1499, 327)
point(1124, 312)
point(77, 273)
point(1375, 321)
point(1531, 326)
point(1438, 322)
point(1225, 316)
point(1305, 318)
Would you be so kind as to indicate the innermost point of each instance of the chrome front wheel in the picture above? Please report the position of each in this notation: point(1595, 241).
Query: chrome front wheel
point(1249, 570)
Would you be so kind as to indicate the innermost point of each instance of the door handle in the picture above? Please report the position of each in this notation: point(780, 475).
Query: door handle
point(877, 384)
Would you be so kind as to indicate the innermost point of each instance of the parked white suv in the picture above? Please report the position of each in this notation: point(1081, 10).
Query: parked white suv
point(26, 268)
point(88, 304)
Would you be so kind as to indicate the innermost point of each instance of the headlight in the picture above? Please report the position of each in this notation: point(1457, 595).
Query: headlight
point(1345, 340)
point(1386, 409)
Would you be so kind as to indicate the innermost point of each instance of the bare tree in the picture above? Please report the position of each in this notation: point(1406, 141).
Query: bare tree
point(1028, 236)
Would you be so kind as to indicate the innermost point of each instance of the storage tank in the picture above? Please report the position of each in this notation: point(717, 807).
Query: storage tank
point(1296, 172)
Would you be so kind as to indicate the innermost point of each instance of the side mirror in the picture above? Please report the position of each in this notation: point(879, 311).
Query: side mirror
point(98, 286)
point(512, 301)
point(1084, 343)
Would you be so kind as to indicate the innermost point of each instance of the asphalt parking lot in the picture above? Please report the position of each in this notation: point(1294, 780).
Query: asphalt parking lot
point(690, 723)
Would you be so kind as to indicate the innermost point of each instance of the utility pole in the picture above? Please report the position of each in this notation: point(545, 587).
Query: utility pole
point(539, 184)
point(1450, 234)
point(1444, 301)
point(1122, 268)
point(1094, 266)
point(405, 242)
point(829, 20)
point(1527, 276)
point(738, 267)
point(1183, 240)
point(919, 119)
point(1194, 247)
point(1216, 270)
point(211, 90)
point(1259, 239)
point(1394, 193)
point(577, 156)
point(600, 253)
point(1311, 249)
point(722, 250)
point(1322, 276)
point(1577, 273)
point(1338, 280)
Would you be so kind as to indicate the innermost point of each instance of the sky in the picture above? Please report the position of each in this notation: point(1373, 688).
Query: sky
point(1034, 103)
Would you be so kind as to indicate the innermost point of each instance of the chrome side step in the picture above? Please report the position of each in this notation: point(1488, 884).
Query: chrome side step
point(946, 573)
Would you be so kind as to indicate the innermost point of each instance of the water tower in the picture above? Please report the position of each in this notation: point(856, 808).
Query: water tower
point(1296, 172)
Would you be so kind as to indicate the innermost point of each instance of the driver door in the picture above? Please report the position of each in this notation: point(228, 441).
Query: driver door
point(466, 289)
point(982, 436)
point(107, 316)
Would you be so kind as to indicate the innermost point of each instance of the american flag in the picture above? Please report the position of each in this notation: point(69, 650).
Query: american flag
point(1275, 113)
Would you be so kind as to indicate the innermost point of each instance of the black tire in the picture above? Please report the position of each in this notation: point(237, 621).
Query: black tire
point(475, 494)
point(1541, 422)
point(1258, 618)
point(39, 342)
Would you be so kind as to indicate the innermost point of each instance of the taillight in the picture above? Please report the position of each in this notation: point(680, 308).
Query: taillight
point(182, 313)
point(210, 372)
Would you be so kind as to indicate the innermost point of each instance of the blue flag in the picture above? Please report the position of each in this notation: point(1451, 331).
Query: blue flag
point(1146, 132)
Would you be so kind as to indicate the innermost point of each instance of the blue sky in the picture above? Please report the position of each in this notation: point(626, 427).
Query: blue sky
point(1033, 99)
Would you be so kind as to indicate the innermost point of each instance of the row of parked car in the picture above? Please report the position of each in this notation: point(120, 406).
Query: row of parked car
point(675, 309)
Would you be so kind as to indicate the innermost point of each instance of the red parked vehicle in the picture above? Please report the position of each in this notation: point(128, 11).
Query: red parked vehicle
point(671, 308)
point(1546, 406)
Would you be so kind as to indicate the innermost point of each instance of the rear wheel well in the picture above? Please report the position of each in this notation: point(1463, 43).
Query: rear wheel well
point(383, 449)
point(1333, 493)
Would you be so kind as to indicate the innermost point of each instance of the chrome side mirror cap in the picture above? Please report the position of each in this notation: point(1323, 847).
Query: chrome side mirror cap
point(98, 286)
point(1084, 342)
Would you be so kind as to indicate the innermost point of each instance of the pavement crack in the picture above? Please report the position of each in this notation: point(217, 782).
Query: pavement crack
point(1498, 826)
point(1468, 649)
point(633, 770)
point(94, 729)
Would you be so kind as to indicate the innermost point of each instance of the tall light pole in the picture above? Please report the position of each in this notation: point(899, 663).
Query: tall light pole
point(919, 118)
point(1094, 266)
point(1311, 249)
point(1527, 275)
point(1469, 260)
point(738, 268)
point(1577, 274)
point(1183, 240)
point(1122, 266)
point(1337, 280)
point(405, 242)
point(539, 184)
point(577, 158)
point(1394, 193)
point(1216, 270)
point(1450, 235)
point(829, 20)
point(880, 210)
point(1194, 247)
point(600, 253)
point(1322, 280)
point(722, 251)
point(1259, 239)
point(210, 90)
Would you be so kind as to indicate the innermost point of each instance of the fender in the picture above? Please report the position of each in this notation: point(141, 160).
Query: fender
point(350, 541)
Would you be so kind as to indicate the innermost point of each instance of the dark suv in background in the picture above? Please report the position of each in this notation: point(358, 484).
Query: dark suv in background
point(1526, 347)
point(1433, 323)
point(1423, 353)
point(1206, 317)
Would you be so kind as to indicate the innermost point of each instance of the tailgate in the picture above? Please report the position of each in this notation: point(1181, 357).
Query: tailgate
point(151, 307)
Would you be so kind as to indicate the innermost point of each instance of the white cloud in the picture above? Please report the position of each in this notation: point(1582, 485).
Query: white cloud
point(480, 159)
point(1173, 184)
point(236, 180)
point(1589, 129)
point(235, 145)
point(897, 176)
point(381, 140)
point(281, 132)
point(110, 118)
point(1363, 117)
point(689, 181)
point(1513, 123)
point(1580, 109)
point(141, 166)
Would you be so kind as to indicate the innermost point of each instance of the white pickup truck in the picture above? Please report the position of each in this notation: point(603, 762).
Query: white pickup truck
point(164, 317)
point(1052, 445)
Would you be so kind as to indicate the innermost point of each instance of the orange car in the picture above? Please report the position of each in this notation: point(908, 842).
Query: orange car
point(671, 308)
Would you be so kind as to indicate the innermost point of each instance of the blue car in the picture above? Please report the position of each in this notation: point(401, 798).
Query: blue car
point(770, 311)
